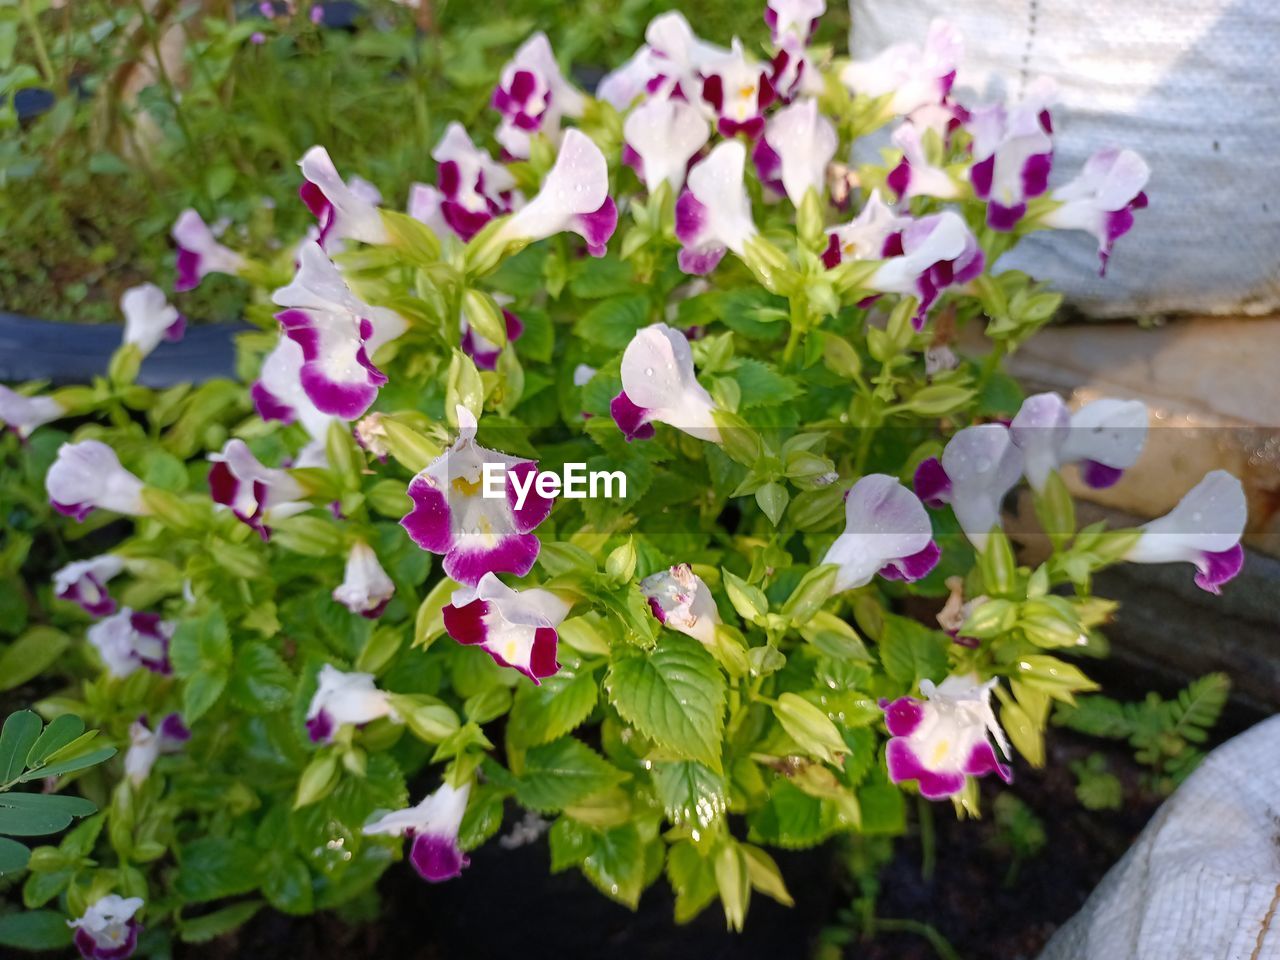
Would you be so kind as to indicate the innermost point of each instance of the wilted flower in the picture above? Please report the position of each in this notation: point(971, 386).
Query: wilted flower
point(515, 627)
point(343, 698)
point(942, 740)
point(1203, 529)
point(910, 76)
point(149, 318)
point(107, 930)
point(258, 495)
point(1105, 437)
point(433, 826)
point(146, 745)
point(714, 212)
point(345, 211)
point(681, 601)
point(661, 137)
point(1012, 154)
point(474, 189)
point(85, 582)
point(200, 253)
point(887, 531)
point(533, 96)
point(793, 154)
point(979, 466)
point(739, 91)
point(659, 384)
point(88, 476)
point(365, 589)
point(129, 640)
point(1101, 200)
point(476, 534)
point(23, 414)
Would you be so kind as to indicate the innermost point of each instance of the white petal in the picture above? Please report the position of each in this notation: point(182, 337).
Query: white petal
point(148, 316)
point(1209, 519)
point(577, 184)
point(1040, 429)
point(716, 183)
point(666, 134)
point(658, 375)
point(1111, 432)
point(805, 141)
point(983, 465)
point(883, 521)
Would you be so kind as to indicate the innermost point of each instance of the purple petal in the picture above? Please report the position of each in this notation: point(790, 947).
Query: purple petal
point(903, 716)
point(915, 567)
point(428, 522)
point(436, 857)
point(320, 727)
point(905, 765)
point(536, 507)
point(699, 263)
point(1002, 218)
point(1099, 475)
point(768, 165)
point(514, 553)
point(899, 178)
point(658, 612)
point(1217, 568)
point(76, 511)
point(831, 256)
point(465, 223)
point(983, 760)
point(172, 728)
point(1035, 174)
point(691, 217)
point(631, 419)
point(268, 405)
point(980, 175)
point(932, 485)
point(188, 270)
point(597, 227)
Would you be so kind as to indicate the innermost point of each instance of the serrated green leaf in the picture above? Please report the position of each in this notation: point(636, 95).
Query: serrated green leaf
point(690, 792)
point(793, 820)
point(260, 680)
point(559, 774)
point(612, 323)
point(615, 864)
point(201, 691)
point(200, 644)
point(548, 711)
point(483, 817)
point(762, 385)
point(211, 868)
point(693, 878)
point(912, 652)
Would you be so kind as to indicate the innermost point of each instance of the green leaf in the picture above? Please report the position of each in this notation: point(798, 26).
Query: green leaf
point(690, 792)
point(483, 817)
point(210, 926)
point(612, 323)
point(69, 765)
point(674, 695)
point(201, 644)
point(19, 734)
point(793, 820)
point(911, 652)
point(559, 774)
point(260, 680)
point(60, 732)
point(201, 692)
point(287, 885)
point(35, 930)
point(215, 867)
point(615, 864)
point(38, 814)
point(13, 856)
point(762, 385)
point(692, 877)
point(30, 655)
point(548, 711)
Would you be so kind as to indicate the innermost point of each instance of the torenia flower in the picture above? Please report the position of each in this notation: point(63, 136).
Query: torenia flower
point(1105, 437)
point(426, 205)
point(659, 384)
point(515, 627)
point(24, 415)
point(942, 740)
point(476, 533)
point(146, 745)
point(343, 698)
point(1012, 154)
point(886, 531)
point(258, 495)
point(149, 318)
point(714, 213)
point(684, 57)
point(474, 189)
point(979, 466)
point(107, 930)
point(1203, 529)
point(278, 393)
point(912, 77)
point(661, 137)
point(792, 73)
point(1101, 200)
point(200, 253)
point(915, 176)
point(433, 826)
point(85, 582)
point(866, 235)
point(574, 197)
point(739, 91)
point(345, 211)
point(533, 96)
point(794, 20)
point(88, 476)
point(334, 329)
point(622, 87)
point(793, 154)
point(681, 601)
point(365, 589)
point(129, 640)
point(485, 352)
point(925, 257)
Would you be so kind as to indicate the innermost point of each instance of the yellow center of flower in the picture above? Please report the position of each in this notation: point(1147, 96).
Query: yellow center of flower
point(468, 488)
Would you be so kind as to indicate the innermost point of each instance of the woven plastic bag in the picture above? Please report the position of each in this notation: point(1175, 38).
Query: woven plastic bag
point(1193, 85)
point(1202, 882)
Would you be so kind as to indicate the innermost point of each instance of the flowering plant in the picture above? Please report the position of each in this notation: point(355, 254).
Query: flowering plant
point(353, 631)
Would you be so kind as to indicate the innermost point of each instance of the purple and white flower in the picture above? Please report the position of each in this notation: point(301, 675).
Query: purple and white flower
point(1101, 200)
point(515, 627)
point(426, 205)
point(682, 601)
point(149, 318)
point(739, 90)
point(345, 698)
point(128, 640)
point(942, 740)
point(574, 197)
point(1204, 529)
point(365, 589)
point(278, 393)
point(714, 212)
point(258, 495)
point(635, 79)
point(344, 211)
point(482, 351)
point(793, 154)
point(915, 175)
point(88, 476)
point(979, 466)
point(793, 20)
point(85, 582)
point(792, 73)
point(474, 188)
point(1105, 437)
point(476, 534)
point(433, 826)
point(533, 96)
point(865, 236)
point(334, 329)
point(910, 77)
point(886, 531)
point(1012, 154)
point(659, 384)
point(661, 137)
point(24, 415)
point(925, 257)
point(200, 253)
point(107, 930)
point(146, 745)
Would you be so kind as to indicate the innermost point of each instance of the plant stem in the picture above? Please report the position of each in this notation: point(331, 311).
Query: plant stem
point(936, 940)
point(37, 41)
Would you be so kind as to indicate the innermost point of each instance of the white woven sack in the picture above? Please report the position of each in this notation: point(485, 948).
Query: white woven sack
point(1202, 882)
point(1193, 85)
